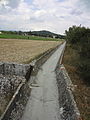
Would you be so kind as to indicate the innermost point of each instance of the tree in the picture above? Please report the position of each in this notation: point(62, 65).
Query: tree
point(80, 38)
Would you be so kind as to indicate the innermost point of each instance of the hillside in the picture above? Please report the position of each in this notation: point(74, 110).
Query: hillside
point(45, 33)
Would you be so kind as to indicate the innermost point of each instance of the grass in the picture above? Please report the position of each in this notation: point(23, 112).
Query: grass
point(14, 36)
point(82, 91)
point(21, 51)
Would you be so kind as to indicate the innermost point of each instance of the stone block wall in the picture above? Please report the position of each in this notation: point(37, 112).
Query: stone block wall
point(17, 104)
point(68, 108)
point(14, 69)
point(19, 99)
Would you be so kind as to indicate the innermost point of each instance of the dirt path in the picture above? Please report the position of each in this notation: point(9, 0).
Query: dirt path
point(43, 103)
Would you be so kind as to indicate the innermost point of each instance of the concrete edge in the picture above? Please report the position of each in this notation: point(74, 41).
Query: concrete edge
point(34, 62)
point(61, 58)
point(11, 101)
point(40, 61)
point(70, 87)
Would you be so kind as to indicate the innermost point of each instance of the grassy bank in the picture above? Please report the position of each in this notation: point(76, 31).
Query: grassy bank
point(82, 90)
point(15, 36)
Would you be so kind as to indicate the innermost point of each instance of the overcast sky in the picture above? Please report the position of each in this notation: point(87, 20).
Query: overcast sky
point(52, 15)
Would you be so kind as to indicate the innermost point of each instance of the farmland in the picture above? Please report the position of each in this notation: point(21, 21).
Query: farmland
point(28, 37)
point(21, 50)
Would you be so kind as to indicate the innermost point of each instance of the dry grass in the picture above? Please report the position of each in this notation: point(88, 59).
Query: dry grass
point(21, 51)
point(82, 91)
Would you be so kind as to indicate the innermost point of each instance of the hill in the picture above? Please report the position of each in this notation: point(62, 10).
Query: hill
point(45, 33)
point(42, 33)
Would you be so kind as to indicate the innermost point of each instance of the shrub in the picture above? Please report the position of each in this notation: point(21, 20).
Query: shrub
point(79, 37)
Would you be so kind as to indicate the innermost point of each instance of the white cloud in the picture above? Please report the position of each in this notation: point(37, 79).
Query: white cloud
point(53, 15)
point(10, 3)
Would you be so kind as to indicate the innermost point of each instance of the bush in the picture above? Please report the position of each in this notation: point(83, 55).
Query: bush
point(79, 37)
point(84, 69)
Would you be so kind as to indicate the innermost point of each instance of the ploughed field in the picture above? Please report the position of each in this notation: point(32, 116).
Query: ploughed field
point(22, 51)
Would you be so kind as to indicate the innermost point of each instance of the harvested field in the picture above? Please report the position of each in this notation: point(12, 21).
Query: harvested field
point(21, 51)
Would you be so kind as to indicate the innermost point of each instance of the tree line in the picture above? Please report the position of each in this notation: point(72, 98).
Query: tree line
point(79, 37)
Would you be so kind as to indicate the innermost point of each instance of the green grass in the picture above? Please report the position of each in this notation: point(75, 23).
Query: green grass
point(14, 36)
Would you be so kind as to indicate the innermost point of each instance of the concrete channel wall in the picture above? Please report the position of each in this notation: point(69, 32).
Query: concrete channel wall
point(68, 108)
point(42, 59)
point(16, 105)
point(14, 69)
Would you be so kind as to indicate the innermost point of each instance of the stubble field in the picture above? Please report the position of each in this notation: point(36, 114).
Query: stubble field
point(21, 51)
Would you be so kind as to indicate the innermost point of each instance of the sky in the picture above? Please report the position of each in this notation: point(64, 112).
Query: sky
point(53, 15)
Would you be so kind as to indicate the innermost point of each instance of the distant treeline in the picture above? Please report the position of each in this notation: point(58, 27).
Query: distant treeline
point(79, 38)
point(42, 33)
